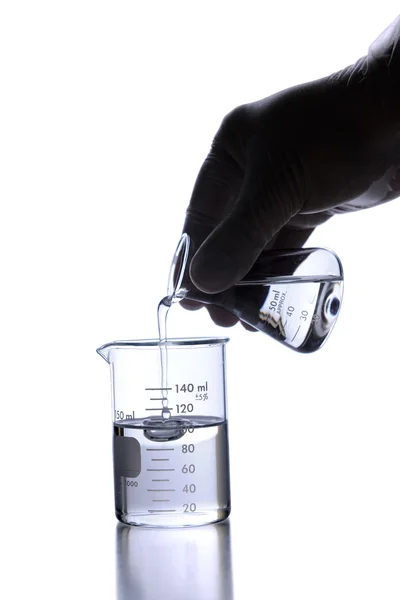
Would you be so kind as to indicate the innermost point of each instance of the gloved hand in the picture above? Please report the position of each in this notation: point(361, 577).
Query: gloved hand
point(281, 166)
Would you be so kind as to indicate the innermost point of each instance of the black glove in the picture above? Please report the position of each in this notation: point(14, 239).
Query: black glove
point(281, 166)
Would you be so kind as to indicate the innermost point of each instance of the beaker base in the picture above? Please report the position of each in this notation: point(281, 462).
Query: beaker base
point(173, 521)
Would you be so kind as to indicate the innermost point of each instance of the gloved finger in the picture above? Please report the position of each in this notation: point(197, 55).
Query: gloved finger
point(215, 191)
point(267, 201)
point(222, 317)
point(191, 304)
point(290, 237)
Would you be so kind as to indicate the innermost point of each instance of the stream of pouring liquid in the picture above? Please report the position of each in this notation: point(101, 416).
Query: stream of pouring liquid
point(162, 314)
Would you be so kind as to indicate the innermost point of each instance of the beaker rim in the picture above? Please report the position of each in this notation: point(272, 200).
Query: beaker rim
point(170, 343)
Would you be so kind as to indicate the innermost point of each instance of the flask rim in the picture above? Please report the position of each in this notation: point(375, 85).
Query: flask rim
point(178, 267)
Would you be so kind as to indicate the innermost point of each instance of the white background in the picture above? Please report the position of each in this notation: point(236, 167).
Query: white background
point(107, 111)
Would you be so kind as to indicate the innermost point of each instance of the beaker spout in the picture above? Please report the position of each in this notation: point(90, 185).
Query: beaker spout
point(104, 351)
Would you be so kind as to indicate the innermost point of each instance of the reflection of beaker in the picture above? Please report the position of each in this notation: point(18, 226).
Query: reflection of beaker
point(294, 296)
point(170, 471)
point(175, 564)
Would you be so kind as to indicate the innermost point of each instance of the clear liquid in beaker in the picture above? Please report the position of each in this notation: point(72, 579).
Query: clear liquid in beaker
point(169, 481)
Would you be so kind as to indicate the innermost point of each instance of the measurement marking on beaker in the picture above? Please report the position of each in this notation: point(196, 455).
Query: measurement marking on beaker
point(160, 459)
point(160, 480)
point(154, 510)
point(158, 470)
point(159, 408)
point(160, 449)
point(161, 398)
point(296, 333)
point(161, 500)
point(157, 389)
point(155, 490)
point(285, 324)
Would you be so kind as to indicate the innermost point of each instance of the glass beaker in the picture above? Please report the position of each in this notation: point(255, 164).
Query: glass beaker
point(169, 471)
point(294, 296)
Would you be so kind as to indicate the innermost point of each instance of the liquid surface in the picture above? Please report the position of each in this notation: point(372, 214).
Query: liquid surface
point(172, 480)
